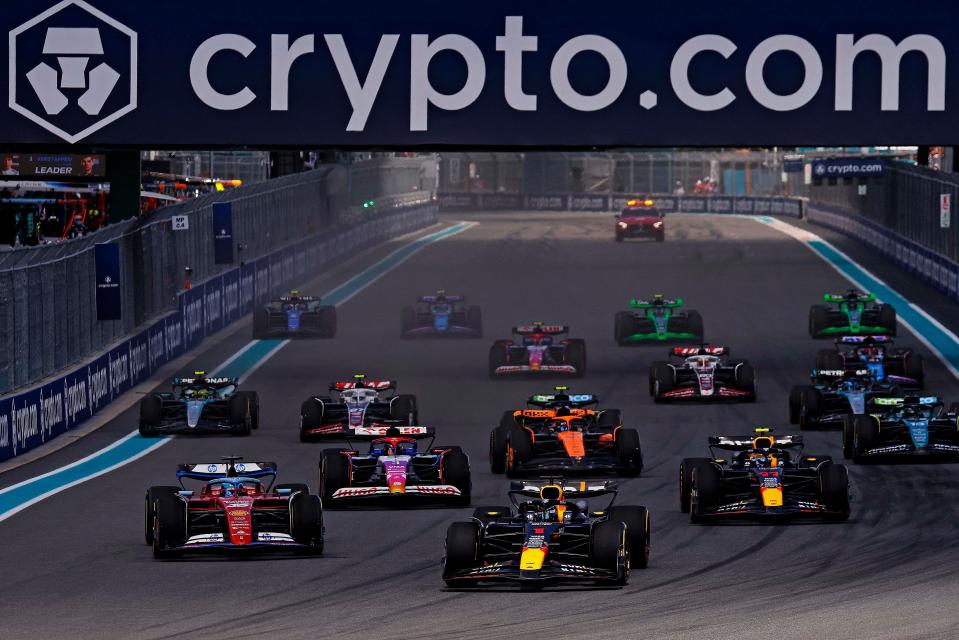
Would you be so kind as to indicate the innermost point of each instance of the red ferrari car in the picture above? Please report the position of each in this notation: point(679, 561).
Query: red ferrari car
point(640, 219)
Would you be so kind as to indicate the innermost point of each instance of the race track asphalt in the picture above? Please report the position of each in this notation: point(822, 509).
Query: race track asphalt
point(75, 564)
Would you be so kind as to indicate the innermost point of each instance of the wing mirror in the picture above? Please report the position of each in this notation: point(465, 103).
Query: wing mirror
point(185, 494)
point(284, 492)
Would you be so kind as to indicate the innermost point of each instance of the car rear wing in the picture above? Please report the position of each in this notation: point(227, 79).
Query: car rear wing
point(416, 432)
point(705, 350)
point(738, 443)
point(859, 297)
point(213, 470)
point(908, 400)
point(220, 381)
point(561, 398)
point(441, 298)
point(661, 302)
point(538, 328)
point(571, 488)
point(376, 385)
point(839, 373)
point(864, 340)
point(298, 299)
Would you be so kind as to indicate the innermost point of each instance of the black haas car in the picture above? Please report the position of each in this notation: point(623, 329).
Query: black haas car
point(548, 535)
point(359, 408)
point(294, 316)
point(539, 349)
point(200, 404)
point(765, 477)
point(702, 373)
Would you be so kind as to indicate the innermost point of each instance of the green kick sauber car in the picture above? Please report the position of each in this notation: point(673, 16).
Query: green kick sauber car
point(855, 313)
point(656, 321)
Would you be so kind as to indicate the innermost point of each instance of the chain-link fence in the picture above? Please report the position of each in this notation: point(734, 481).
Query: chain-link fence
point(729, 172)
point(906, 200)
point(47, 294)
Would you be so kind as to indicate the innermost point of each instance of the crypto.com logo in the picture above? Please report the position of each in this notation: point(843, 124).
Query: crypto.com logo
point(72, 67)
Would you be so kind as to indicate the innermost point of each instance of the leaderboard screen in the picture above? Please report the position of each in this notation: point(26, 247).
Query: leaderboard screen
point(51, 165)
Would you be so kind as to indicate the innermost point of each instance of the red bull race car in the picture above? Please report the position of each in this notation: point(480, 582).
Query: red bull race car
point(295, 316)
point(441, 315)
point(702, 373)
point(538, 349)
point(549, 535)
point(358, 408)
point(762, 476)
point(395, 471)
point(234, 511)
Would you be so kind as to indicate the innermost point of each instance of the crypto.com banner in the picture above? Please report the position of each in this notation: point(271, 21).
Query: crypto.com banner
point(498, 72)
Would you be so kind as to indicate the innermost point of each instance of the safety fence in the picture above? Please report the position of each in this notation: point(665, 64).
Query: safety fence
point(760, 205)
point(33, 417)
point(47, 294)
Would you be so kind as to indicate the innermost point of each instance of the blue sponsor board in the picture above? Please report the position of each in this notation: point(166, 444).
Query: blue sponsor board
point(108, 292)
point(223, 233)
point(848, 168)
point(191, 316)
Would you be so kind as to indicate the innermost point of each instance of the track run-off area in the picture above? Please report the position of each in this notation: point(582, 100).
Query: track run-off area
point(75, 564)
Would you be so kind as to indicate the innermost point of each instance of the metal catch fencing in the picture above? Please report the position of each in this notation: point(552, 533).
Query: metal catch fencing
point(47, 294)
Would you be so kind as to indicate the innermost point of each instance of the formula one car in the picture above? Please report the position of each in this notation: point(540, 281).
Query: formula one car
point(640, 219)
point(833, 395)
point(200, 404)
point(441, 315)
point(233, 511)
point(295, 316)
point(548, 535)
point(855, 313)
point(903, 428)
point(764, 477)
point(360, 408)
point(395, 471)
point(557, 434)
point(901, 367)
point(539, 353)
point(656, 321)
point(700, 373)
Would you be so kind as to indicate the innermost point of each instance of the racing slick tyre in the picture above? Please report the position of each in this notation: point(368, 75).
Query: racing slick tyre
point(849, 433)
point(149, 508)
point(576, 356)
point(694, 324)
point(637, 524)
point(491, 514)
point(834, 489)
point(462, 548)
point(334, 473)
point(830, 359)
point(327, 321)
point(240, 412)
point(662, 378)
point(629, 453)
point(254, 399)
point(606, 542)
point(497, 358)
point(311, 415)
point(294, 487)
point(914, 367)
point(810, 407)
point(818, 319)
point(519, 448)
point(686, 480)
point(795, 398)
point(151, 413)
point(865, 434)
point(474, 320)
point(610, 419)
point(954, 407)
point(456, 471)
point(306, 521)
point(887, 318)
point(407, 321)
point(169, 526)
point(623, 327)
point(498, 442)
point(261, 323)
point(746, 380)
point(707, 485)
point(403, 407)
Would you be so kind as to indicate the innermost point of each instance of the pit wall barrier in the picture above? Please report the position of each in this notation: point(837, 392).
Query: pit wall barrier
point(604, 202)
point(929, 266)
point(31, 418)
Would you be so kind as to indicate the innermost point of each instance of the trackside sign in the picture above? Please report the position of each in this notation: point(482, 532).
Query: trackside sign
point(519, 72)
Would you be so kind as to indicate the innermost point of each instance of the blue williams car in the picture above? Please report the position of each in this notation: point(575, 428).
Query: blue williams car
point(912, 427)
point(441, 315)
point(200, 404)
point(295, 316)
point(879, 357)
